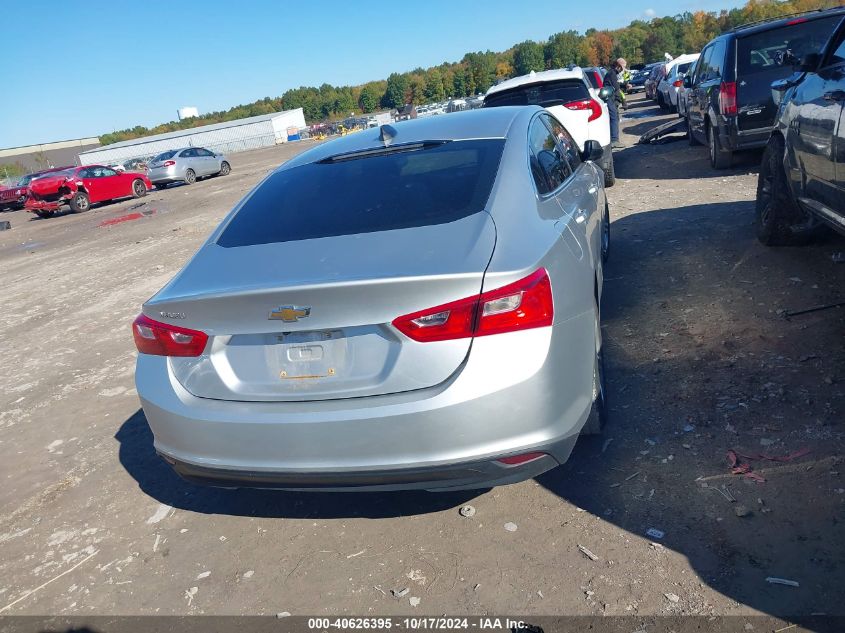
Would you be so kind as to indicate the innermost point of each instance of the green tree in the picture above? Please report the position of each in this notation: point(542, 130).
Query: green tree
point(434, 90)
point(562, 49)
point(528, 56)
point(369, 99)
point(394, 95)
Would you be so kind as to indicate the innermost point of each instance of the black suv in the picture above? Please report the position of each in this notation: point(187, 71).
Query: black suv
point(730, 105)
point(802, 178)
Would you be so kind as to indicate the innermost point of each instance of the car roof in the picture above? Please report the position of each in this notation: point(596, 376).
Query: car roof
point(773, 23)
point(481, 123)
point(682, 59)
point(538, 78)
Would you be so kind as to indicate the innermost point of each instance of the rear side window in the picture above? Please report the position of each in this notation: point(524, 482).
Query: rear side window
point(547, 94)
point(165, 156)
point(782, 47)
point(381, 192)
point(548, 166)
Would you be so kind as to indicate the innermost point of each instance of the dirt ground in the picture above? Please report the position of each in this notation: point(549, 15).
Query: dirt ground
point(700, 357)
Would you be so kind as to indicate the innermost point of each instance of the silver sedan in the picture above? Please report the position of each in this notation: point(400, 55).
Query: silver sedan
point(186, 165)
point(411, 306)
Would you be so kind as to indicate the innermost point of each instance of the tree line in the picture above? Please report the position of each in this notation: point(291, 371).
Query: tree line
point(642, 41)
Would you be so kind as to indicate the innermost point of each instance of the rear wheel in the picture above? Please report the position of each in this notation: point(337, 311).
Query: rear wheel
point(690, 135)
point(225, 168)
point(139, 189)
point(776, 213)
point(605, 234)
point(80, 202)
point(190, 177)
point(609, 172)
point(719, 158)
point(598, 412)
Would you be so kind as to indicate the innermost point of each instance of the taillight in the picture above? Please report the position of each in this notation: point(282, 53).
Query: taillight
point(162, 339)
point(168, 163)
point(586, 104)
point(727, 97)
point(678, 83)
point(599, 80)
point(522, 305)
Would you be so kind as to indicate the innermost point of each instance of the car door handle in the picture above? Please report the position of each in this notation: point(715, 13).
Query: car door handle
point(834, 95)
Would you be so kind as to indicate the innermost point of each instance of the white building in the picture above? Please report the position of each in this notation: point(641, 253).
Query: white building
point(229, 137)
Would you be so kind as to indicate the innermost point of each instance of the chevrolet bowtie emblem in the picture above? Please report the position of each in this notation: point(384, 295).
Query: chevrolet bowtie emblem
point(290, 314)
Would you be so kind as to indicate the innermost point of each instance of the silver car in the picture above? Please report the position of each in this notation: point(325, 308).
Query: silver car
point(186, 165)
point(411, 306)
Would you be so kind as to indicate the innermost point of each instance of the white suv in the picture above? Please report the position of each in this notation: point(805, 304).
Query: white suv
point(568, 95)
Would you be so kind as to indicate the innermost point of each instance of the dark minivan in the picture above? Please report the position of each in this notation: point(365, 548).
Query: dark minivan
point(730, 104)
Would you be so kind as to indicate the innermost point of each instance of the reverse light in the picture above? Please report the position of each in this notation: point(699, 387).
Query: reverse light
point(522, 305)
point(727, 97)
point(585, 104)
point(162, 339)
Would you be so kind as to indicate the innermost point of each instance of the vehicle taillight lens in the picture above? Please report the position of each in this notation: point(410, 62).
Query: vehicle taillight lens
point(168, 163)
point(162, 339)
point(599, 80)
point(678, 83)
point(516, 460)
point(727, 97)
point(522, 305)
point(586, 104)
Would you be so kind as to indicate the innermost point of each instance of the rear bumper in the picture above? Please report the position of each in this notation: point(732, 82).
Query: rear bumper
point(443, 437)
point(734, 139)
point(165, 174)
point(464, 476)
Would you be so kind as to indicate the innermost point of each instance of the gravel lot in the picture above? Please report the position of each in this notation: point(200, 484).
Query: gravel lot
point(700, 361)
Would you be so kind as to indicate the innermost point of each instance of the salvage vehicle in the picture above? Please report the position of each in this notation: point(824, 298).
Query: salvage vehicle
point(568, 94)
point(15, 196)
point(729, 99)
point(411, 306)
point(80, 187)
point(669, 87)
point(186, 165)
point(802, 178)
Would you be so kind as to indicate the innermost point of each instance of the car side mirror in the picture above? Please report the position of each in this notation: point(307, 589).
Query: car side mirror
point(592, 151)
point(605, 93)
point(809, 63)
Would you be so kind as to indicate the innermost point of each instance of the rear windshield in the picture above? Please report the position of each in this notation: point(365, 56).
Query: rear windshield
point(379, 192)
point(165, 155)
point(682, 68)
point(547, 94)
point(782, 47)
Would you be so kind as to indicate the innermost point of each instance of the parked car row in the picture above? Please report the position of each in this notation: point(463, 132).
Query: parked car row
point(46, 192)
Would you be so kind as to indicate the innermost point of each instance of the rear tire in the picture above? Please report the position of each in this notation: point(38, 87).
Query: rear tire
point(139, 189)
point(609, 172)
point(693, 142)
point(80, 202)
point(605, 234)
point(776, 212)
point(190, 177)
point(719, 158)
point(598, 412)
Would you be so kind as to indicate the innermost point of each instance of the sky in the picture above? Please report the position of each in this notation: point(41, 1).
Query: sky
point(107, 66)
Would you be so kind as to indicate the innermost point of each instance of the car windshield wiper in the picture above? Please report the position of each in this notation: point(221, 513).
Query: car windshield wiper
point(381, 151)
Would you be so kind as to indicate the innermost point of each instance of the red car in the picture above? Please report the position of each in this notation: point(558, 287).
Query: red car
point(80, 187)
point(14, 197)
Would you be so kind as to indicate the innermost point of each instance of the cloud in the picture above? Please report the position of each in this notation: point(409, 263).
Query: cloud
point(650, 13)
